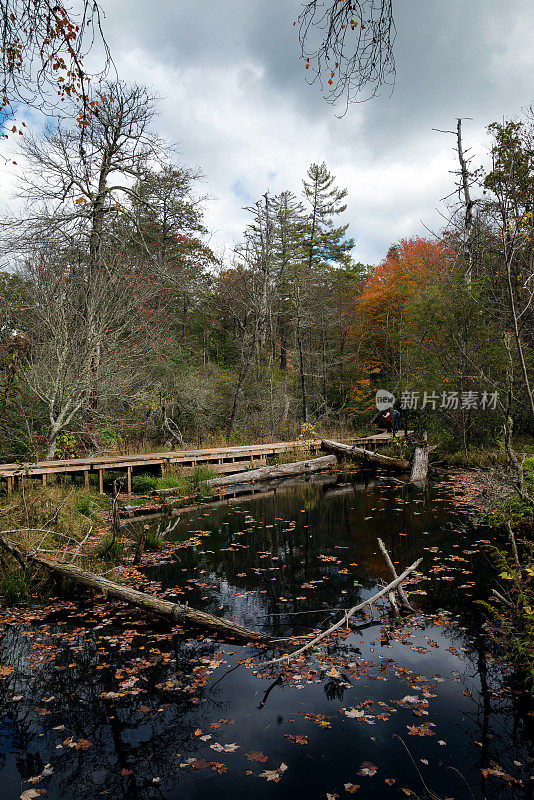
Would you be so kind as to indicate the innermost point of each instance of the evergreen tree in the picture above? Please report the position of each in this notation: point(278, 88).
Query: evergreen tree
point(324, 242)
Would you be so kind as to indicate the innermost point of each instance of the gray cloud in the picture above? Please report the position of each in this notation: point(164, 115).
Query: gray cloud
point(235, 98)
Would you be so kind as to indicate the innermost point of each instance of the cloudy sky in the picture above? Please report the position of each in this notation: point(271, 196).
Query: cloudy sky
point(234, 97)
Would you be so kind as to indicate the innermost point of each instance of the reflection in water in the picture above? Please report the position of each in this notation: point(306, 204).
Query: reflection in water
point(121, 705)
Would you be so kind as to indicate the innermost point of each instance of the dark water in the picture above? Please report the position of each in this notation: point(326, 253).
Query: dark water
point(120, 706)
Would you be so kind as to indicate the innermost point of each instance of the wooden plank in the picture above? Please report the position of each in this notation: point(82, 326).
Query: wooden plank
point(241, 453)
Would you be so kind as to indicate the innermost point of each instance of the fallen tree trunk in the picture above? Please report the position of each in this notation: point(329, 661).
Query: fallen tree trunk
point(268, 473)
point(349, 451)
point(163, 608)
point(345, 618)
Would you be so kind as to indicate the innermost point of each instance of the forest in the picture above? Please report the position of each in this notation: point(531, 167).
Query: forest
point(122, 328)
point(266, 511)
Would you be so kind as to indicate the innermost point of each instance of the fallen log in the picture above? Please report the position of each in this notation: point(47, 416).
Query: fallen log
point(345, 618)
point(348, 451)
point(268, 473)
point(174, 611)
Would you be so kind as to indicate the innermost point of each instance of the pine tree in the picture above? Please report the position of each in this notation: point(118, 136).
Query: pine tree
point(324, 242)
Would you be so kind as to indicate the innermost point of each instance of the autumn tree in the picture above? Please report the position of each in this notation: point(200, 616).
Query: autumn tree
point(413, 268)
point(42, 53)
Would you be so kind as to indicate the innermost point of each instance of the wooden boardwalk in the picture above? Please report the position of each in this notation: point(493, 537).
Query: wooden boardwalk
point(219, 459)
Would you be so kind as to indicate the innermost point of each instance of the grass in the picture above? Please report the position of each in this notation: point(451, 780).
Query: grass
point(184, 483)
point(15, 587)
point(154, 541)
point(50, 518)
point(290, 457)
point(110, 549)
point(479, 457)
point(62, 510)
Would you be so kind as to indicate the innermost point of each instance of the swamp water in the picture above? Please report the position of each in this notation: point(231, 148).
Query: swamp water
point(98, 701)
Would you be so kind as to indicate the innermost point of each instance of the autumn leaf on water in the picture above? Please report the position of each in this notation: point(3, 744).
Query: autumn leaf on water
point(200, 763)
point(83, 744)
point(274, 774)
point(48, 770)
point(353, 713)
point(389, 781)
point(297, 739)
point(333, 673)
point(497, 771)
point(420, 730)
point(256, 757)
point(351, 787)
point(368, 769)
point(224, 748)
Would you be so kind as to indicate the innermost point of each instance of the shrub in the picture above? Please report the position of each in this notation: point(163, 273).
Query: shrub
point(195, 481)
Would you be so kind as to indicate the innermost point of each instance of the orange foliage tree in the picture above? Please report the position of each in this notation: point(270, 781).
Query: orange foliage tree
point(381, 340)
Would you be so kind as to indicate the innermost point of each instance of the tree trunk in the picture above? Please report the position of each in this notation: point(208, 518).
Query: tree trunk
point(468, 203)
point(278, 471)
point(302, 377)
point(420, 464)
point(51, 449)
point(367, 455)
point(173, 611)
point(268, 473)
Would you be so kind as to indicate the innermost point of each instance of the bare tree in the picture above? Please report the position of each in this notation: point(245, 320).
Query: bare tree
point(75, 183)
point(257, 256)
point(66, 323)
